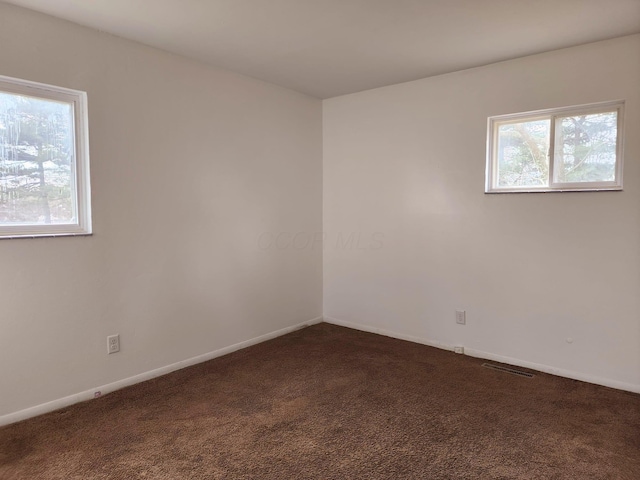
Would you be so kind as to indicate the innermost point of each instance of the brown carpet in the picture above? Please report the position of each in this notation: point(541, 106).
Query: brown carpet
point(331, 403)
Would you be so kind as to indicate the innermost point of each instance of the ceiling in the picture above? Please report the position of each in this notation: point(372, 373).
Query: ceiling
point(326, 48)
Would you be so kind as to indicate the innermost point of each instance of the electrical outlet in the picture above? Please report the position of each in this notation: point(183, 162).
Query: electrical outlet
point(113, 344)
point(458, 350)
point(461, 317)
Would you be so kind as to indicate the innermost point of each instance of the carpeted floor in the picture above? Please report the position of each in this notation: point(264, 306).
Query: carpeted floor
point(326, 403)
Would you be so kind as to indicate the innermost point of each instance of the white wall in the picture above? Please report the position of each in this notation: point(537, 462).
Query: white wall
point(406, 163)
point(189, 165)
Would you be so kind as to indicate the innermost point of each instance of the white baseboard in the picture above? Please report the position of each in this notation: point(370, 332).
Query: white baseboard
point(111, 387)
point(629, 387)
point(388, 333)
point(560, 372)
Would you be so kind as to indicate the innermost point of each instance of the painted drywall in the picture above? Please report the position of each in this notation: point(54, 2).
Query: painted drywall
point(411, 236)
point(190, 168)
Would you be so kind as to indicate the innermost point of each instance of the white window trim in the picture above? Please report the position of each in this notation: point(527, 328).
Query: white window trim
point(81, 142)
point(491, 177)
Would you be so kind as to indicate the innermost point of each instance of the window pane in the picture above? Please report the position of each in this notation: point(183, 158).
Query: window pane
point(36, 161)
point(522, 155)
point(585, 148)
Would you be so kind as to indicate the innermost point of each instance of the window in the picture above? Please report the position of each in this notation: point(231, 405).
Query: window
point(44, 160)
point(564, 149)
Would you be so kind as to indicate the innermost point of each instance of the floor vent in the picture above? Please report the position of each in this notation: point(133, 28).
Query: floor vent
point(512, 371)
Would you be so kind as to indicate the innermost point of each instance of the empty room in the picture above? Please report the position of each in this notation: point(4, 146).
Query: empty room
point(320, 239)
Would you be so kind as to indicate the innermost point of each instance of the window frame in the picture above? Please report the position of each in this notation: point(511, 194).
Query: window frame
point(81, 184)
point(491, 174)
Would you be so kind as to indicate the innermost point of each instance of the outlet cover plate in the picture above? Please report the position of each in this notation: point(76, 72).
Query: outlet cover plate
point(113, 344)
